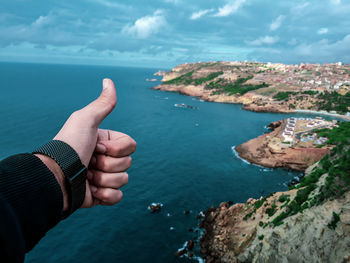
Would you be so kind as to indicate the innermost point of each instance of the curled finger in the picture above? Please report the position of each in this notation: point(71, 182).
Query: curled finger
point(108, 196)
point(109, 180)
point(110, 164)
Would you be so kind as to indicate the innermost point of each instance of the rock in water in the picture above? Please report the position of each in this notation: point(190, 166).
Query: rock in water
point(180, 252)
point(155, 207)
point(190, 244)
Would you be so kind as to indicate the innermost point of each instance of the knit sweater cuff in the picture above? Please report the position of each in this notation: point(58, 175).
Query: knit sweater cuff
point(33, 192)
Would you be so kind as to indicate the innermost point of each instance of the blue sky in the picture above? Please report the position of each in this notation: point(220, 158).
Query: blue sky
point(164, 33)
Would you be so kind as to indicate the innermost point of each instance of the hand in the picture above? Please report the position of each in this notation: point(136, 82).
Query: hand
point(105, 152)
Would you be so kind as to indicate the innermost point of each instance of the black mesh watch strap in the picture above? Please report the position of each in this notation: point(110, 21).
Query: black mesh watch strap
point(74, 171)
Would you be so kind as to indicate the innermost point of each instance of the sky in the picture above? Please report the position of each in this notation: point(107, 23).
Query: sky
point(165, 33)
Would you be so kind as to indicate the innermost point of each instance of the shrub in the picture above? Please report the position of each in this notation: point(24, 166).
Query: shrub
point(271, 210)
point(335, 220)
point(283, 198)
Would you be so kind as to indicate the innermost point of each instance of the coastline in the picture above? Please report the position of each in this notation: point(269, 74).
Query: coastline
point(266, 152)
point(324, 113)
point(249, 232)
point(245, 102)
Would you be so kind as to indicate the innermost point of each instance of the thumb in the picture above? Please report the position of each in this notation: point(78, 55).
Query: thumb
point(99, 109)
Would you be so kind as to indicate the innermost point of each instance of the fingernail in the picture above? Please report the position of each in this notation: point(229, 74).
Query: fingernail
point(89, 175)
point(93, 160)
point(101, 148)
point(93, 188)
point(105, 83)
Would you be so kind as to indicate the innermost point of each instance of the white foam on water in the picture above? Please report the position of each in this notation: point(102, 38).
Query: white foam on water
point(237, 155)
point(243, 160)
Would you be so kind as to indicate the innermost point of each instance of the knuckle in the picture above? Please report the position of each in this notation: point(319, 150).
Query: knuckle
point(99, 179)
point(104, 163)
point(75, 115)
point(105, 195)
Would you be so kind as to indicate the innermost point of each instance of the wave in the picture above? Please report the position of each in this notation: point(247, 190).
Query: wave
point(237, 155)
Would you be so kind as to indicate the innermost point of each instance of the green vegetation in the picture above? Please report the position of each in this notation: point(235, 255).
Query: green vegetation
point(256, 206)
point(337, 182)
point(208, 78)
point(271, 210)
point(283, 198)
point(259, 203)
point(335, 220)
point(261, 223)
point(261, 237)
point(333, 101)
point(222, 86)
point(186, 79)
point(337, 136)
point(309, 92)
point(183, 79)
point(283, 95)
point(248, 215)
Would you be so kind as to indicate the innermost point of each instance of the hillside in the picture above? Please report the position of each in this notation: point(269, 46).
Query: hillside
point(308, 223)
point(265, 87)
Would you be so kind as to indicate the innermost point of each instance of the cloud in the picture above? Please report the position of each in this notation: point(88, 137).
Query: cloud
point(277, 23)
point(230, 8)
point(175, 2)
point(108, 3)
point(326, 49)
point(322, 31)
point(43, 20)
point(146, 26)
point(199, 14)
point(336, 2)
point(298, 9)
point(292, 42)
point(266, 40)
point(316, 52)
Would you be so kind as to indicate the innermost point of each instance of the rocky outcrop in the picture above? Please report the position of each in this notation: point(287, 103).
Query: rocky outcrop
point(265, 151)
point(241, 233)
point(305, 237)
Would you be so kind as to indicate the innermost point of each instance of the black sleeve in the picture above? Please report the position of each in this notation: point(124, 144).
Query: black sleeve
point(31, 203)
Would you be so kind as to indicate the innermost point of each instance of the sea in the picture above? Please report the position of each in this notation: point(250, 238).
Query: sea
point(185, 159)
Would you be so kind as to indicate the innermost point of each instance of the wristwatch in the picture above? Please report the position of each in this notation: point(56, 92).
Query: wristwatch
point(73, 169)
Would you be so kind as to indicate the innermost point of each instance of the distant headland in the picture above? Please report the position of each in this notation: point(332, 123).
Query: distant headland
point(265, 87)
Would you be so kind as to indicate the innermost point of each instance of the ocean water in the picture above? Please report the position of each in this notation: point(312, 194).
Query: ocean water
point(184, 159)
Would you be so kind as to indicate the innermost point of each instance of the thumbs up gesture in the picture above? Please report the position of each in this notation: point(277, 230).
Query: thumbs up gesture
point(106, 153)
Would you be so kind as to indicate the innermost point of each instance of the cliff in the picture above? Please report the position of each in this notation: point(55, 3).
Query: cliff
point(309, 223)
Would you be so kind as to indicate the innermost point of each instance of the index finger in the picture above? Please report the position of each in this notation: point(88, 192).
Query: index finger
point(116, 144)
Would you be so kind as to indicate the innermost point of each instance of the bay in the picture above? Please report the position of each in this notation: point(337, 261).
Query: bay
point(184, 159)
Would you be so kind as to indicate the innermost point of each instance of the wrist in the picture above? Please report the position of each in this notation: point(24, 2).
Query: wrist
point(58, 173)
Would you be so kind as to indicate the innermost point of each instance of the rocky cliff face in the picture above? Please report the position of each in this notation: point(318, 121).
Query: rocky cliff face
point(305, 237)
point(243, 232)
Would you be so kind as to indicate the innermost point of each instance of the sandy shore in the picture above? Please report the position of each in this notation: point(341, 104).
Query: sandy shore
point(324, 113)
